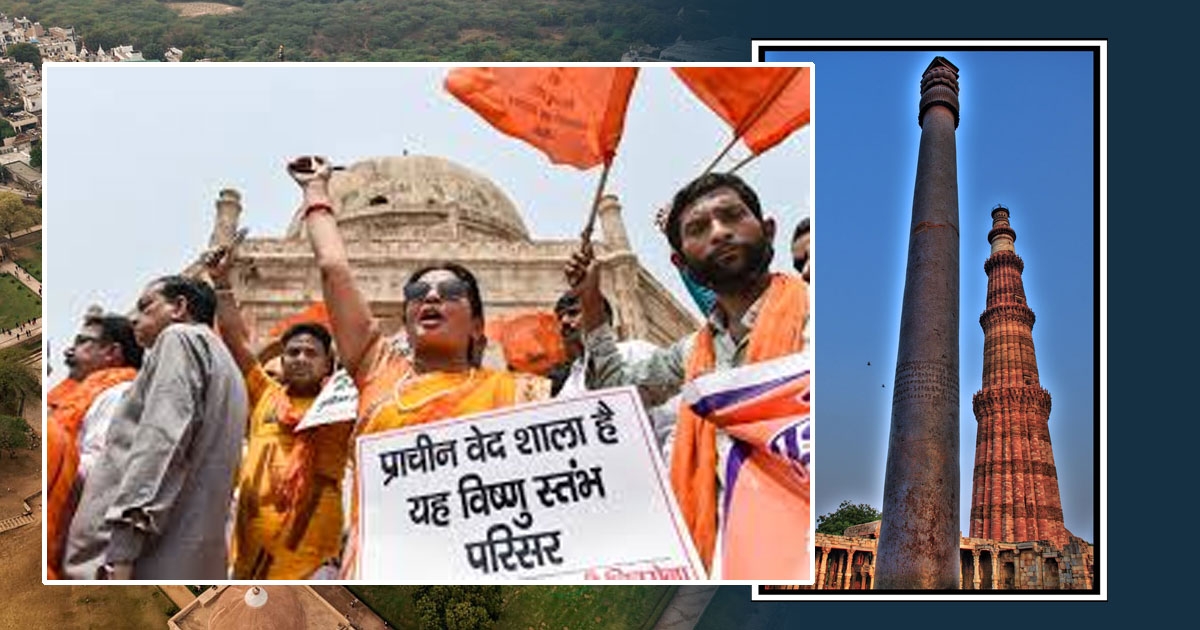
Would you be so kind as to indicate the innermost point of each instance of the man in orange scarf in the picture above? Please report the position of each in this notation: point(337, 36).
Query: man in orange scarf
point(102, 362)
point(289, 516)
point(721, 239)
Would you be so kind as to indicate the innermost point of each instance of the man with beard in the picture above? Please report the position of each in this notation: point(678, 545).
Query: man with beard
point(157, 500)
point(289, 516)
point(719, 235)
point(102, 363)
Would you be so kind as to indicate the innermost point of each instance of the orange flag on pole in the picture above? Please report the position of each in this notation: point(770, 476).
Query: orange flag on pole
point(763, 105)
point(574, 115)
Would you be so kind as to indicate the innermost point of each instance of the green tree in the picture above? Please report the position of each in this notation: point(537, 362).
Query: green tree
point(846, 515)
point(25, 53)
point(12, 211)
point(14, 434)
point(35, 155)
point(16, 381)
point(457, 607)
point(192, 53)
point(6, 129)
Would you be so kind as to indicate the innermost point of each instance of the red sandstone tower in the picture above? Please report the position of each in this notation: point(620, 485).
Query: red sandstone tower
point(1015, 489)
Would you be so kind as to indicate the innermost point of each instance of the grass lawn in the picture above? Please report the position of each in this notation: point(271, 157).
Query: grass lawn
point(542, 607)
point(29, 257)
point(393, 603)
point(17, 302)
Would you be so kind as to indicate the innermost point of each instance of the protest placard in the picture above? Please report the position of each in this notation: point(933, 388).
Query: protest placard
point(565, 489)
point(337, 402)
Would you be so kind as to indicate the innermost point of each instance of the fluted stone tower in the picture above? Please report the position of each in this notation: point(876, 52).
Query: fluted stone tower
point(919, 533)
point(1014, 493)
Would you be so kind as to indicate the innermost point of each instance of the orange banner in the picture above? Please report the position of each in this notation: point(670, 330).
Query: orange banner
point(763, 105)
point(574, 115)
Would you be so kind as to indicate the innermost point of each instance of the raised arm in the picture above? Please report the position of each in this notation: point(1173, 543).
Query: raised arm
point(354, 330)
point(230, 324)
point(658, 377)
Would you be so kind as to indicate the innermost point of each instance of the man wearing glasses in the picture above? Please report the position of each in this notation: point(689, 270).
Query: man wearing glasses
point(158, 498)
point(103, 362)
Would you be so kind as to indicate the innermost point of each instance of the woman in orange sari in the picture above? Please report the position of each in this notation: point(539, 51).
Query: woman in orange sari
point(443, 318)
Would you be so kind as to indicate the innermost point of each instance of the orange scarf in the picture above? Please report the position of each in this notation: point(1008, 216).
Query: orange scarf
point(62, 459)
point(778, 331)
point(74, 405)
point(62, 451)
point(301, 465)
point(61, 392)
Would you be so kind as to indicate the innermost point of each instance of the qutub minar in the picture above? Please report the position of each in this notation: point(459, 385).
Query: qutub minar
point(1018, 539)
point(1015, 489)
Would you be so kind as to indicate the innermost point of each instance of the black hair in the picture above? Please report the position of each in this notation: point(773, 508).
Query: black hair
point(569, 300)
point(462, 273)
point(201, 300)
point(702, 186)
point(317, 331)
point(477, 345)
point(119, 330)
point(801, 228)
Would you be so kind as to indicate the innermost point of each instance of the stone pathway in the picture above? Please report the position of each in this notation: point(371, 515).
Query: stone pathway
point(686, 608)
point(11, 268)
point(26, 334)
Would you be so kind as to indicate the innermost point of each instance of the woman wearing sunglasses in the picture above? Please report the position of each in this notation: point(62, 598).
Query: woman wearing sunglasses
point(443, 318)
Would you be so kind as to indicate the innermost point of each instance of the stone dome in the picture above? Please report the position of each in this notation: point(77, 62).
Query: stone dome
point(258, 608)
point(421, 198)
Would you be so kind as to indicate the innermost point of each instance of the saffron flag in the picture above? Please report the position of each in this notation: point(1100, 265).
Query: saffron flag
point(764, 407)
point(532, 342)
point(763, 105)
point(316, 313)
point(573, 115)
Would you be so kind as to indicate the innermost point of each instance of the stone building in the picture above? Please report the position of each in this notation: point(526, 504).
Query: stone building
point(261, 607)
point(397, 214)
point(847, 562)
point(1015, 490)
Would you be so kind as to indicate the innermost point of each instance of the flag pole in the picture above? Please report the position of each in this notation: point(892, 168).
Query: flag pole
point(758, 112)
point(722, 154)
point(746, 160)
point(586, 236)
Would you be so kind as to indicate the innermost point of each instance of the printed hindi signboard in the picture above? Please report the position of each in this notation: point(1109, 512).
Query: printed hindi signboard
point(563, 490)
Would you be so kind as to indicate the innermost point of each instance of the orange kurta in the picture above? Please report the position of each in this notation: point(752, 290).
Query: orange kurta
point(273, 540)
point(392, 396)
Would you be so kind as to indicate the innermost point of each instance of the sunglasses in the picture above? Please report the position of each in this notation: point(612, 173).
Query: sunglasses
point(450, 289)
point(82, 339)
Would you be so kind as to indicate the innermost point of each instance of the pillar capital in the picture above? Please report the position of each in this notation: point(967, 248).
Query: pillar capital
point(939, 86)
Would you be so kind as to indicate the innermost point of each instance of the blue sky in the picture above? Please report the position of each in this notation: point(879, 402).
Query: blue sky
point(1025, 141)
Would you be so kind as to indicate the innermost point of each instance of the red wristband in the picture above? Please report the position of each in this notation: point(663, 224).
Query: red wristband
point(317, 207)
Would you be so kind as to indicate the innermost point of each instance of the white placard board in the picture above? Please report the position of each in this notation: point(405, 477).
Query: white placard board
point(565, 490)
point(337, 402)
